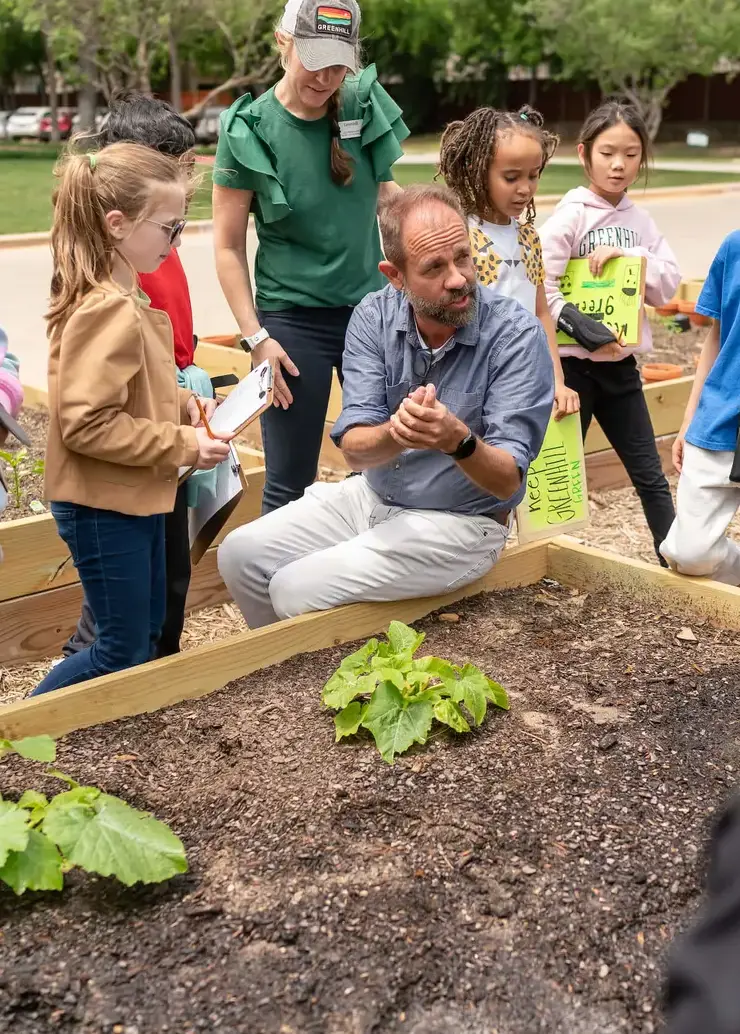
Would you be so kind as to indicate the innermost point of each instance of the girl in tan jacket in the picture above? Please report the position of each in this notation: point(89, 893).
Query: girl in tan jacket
point(119, 426)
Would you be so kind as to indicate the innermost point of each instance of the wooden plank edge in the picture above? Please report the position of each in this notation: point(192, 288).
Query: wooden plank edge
point(36, 559)
point(35, 398)
point(204, 669)
point(590, 569)
point(666, 402)
point(36, 627)
point(604, 470)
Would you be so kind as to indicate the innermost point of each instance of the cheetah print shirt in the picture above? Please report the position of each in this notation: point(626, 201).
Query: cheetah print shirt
point(508, 259)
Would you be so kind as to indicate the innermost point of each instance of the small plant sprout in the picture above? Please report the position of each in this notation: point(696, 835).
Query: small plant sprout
point(382, 687)
point(41, 839)
point(21, 467)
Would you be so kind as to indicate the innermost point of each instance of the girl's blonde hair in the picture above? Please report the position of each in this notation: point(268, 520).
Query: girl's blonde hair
point(122, 177)
point(341, 163)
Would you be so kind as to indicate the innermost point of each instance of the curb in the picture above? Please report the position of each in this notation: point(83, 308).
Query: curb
point(30, 240)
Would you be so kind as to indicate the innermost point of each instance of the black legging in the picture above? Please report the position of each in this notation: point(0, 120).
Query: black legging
point(612, 392)
point(291, 438)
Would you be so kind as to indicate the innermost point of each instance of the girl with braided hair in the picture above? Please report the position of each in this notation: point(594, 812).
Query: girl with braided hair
point(493, 161)
point(312, 159)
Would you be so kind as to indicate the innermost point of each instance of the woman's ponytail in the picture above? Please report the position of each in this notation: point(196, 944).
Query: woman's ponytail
point(342, 165)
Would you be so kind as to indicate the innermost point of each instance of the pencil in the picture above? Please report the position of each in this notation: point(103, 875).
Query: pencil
point(204, 418)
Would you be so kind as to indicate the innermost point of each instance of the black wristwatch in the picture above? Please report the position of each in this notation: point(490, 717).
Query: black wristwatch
point(465, 448)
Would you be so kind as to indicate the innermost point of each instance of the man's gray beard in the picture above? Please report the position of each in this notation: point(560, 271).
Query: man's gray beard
point(441, 314)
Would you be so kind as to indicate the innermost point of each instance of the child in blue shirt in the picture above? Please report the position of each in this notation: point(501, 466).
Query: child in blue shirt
point(704, 450)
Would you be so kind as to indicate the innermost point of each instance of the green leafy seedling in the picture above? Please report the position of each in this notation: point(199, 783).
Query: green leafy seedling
point(21, 467)
point(42, 839)
point(384, 688)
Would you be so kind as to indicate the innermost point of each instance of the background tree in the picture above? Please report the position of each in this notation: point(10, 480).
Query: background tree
point(245, 30)
point(636, 49)
point(410, 43)
point(21, 51)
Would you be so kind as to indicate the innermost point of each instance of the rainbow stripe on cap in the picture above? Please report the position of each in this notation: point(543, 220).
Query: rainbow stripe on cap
point(335, 16)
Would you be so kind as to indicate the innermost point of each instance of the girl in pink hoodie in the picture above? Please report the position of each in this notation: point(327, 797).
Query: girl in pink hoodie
point(11, 392)
point(599, 222)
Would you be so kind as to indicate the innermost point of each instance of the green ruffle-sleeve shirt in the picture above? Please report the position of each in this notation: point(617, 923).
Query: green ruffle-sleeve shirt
point(319, 243)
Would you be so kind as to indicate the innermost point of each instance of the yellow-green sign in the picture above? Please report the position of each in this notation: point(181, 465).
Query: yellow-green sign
point(556, 499)
point(615, 298)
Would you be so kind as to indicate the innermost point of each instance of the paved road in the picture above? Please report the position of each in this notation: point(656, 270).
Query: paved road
point(694, 226)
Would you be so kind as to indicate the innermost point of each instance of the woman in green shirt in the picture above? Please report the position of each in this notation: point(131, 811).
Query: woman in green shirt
point(312, 159)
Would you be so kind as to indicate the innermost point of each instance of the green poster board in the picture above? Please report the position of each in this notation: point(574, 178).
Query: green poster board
point(556, 499)
point(615, 298)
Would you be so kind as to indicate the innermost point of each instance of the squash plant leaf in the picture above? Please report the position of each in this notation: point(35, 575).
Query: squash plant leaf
point(394, 723)
point(360, 659)
point(107, 836)
point(470, 688)
point(14, 829)
point(449, 713)
point(35, 748)
point(435, 666)
point(403, 639)
point(497, 695)
point(340, 690)
point(37, 867)
point(382, 688)
point(348, 721)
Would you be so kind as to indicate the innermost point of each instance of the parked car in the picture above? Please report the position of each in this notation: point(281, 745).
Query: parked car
point(101, 114)
point(4, 116)
point(25, 122)
point(207, 127)
point(65, 117)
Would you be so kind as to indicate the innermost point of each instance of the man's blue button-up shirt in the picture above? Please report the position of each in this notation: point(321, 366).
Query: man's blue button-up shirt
point(497, 378)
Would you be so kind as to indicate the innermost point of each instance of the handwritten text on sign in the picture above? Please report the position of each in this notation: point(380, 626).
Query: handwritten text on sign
point(614, 299)
point(556, 498)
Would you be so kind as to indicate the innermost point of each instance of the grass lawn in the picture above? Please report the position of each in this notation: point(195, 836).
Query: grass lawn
point(27, 182)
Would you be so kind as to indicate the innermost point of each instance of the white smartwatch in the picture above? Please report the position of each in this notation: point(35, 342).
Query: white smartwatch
point(251, 342)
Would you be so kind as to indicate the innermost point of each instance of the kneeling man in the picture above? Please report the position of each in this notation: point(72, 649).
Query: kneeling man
point(448, 389)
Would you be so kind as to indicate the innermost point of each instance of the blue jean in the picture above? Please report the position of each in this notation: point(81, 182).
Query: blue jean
point(291, 438)
point(121, 563)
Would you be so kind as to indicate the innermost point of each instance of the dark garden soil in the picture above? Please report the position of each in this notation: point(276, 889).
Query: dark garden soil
point(525, 878)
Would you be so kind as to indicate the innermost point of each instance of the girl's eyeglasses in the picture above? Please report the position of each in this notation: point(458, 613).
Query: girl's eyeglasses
point(173, 230)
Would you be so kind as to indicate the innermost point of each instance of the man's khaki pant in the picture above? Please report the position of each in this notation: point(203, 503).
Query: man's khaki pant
point(341, 544)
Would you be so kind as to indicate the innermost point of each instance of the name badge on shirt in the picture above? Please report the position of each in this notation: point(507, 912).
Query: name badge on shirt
point(350, 129)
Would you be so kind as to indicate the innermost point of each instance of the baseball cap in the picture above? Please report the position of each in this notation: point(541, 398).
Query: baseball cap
point(325, 34)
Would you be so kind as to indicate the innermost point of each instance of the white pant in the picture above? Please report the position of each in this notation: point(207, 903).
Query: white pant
point(341, 544)
point(706, 502)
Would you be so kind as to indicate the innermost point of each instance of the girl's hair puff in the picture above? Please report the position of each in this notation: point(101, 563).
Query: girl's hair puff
point(121, 177)
point(468, 148)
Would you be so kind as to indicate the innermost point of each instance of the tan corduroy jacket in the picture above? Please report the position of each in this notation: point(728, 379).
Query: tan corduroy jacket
point(115, 440)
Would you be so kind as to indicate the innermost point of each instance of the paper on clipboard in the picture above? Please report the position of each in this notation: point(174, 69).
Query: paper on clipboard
point(207, 519)
point(247, 400)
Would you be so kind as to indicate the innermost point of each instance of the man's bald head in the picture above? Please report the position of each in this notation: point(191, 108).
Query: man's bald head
point(407, 212)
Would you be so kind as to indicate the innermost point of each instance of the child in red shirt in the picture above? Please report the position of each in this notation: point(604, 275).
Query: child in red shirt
point(143, 120)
